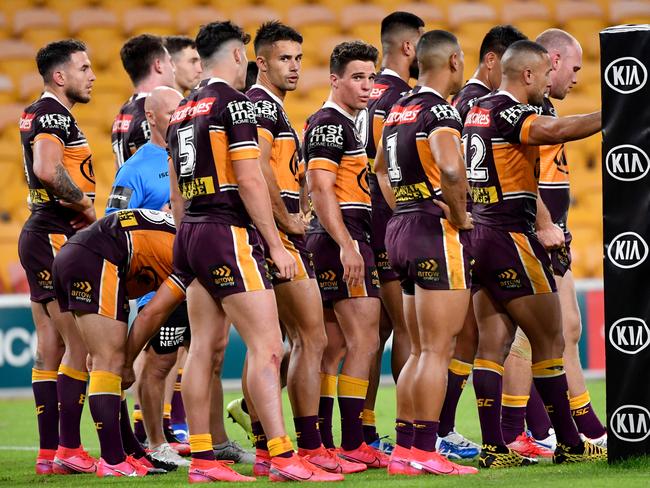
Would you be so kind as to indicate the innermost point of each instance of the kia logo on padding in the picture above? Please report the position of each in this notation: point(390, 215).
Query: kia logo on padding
point(630, 335)
point(627, 162)
point(630, 423)
point(627, 250)
point(626, 75)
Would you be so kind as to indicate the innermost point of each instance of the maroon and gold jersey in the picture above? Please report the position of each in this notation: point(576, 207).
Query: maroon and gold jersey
point(130, 129)
point(140, 243)
point(503, 169)
point(273, 125)
point(554, 176)
point(412, 170)
point(211, 129)
point(332, 143)
point(465, 99)
point(48, 118)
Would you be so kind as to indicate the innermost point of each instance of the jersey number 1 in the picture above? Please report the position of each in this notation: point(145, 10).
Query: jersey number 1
point(394, 171)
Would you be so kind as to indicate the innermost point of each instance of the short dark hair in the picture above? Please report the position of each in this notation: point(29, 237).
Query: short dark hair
point(432, 41)
point(139, 53)
point(398, 21)
point(499, 38)
point(176, 44)
point(251, 75)
point(274, 31)
point(526, 46)
point(55, 54)
point(348, 51)
point(213, 35)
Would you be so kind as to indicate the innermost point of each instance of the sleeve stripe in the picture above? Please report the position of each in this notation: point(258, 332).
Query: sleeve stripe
point(242, 144)
point(323, 163)
point(245, 153)
point(525, 128)
point(175, 285)
point(52, 137)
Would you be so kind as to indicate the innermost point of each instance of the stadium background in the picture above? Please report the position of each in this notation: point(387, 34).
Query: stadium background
point(26, 25)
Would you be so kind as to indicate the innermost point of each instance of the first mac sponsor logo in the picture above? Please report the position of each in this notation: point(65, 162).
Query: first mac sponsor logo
point(626, 75)
point(630, 423)
point(629, 335)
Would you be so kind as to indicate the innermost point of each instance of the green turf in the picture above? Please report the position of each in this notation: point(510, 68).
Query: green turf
point(18, 428)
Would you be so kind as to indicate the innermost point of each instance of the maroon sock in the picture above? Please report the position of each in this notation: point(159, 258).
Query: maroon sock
point(369, 433)
point(403, 433)
point(513, 416)
point(307, 432)
point(551, 383)
point(47, 410)
point(105, 410)
point(72, 395)
point(167, 423)
point(138, 424)
point(425, 433)
point(178, 408)
point(325, 411)
point(351, 428)
point(260, 437)
point(537, 418)
point(487, 386)
point(455, 385)
point(587, 421)
point(131, 444)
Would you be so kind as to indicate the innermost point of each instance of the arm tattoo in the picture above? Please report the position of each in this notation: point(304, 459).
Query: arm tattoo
point(63, 186)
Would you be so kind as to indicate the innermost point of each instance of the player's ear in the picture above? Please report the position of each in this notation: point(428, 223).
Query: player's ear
point(527, 75)
point(334, 80)
point(490, 60)
point(58, 77)
point(261, 64)
point(555, 61)
point(454, 62)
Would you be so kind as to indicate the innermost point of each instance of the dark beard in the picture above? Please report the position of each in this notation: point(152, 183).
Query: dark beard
point(414, 70)
point(76, 97)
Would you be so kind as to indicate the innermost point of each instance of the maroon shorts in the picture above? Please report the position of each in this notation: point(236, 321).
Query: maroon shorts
point(86, 282)
point(561, 258)
point(380, 218)
point(329, 270)
point(425, 250)
point(226, 259)
point(510, 264)
point(296, 247)
point(37, 251)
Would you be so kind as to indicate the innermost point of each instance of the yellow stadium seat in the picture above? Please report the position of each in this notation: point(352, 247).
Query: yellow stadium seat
point(630, 12)
point(30, 88)
point(327, 45)
point(433, 16)
point(39, 26)
point(8, 7)
point(363, 21)
point(314, 22)
point(9, 117)
point(6, 90)
point(250, 18)
point(148, 20)
point(314, 82)
point(470, 21)
point(100, 29)
point(4, 26)
point(284, 6)
point(191, 19)
point(584, 20)
point(530, 17)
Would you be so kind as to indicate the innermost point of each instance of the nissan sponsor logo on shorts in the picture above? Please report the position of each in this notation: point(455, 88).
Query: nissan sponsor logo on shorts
point(626, 75)
point(629, 335)
point(630, 423)
point(627, 162)
point(627, 250)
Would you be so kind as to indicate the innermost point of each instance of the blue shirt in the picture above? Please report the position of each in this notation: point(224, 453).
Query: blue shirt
point(142, 182)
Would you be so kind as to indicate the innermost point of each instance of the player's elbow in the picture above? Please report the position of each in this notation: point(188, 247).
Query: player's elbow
point(45, 173)
point(452, 173)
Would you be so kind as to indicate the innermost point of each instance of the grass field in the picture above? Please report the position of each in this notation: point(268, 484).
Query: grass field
point(18, 438)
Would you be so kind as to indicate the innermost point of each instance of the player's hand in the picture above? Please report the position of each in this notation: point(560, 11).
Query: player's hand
point(465, 223)
point(295, 225)
point(128, 377)
point(551, 237)
point(86, 215)
point(353, 265)
point(285, 262)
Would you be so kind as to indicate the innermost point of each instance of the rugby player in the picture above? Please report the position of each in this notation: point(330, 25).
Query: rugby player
point(122, 256)
point(566, 58)
point(148, 64)
point(503, 131)
point(400, 32)
point(58, 167)
point(279, 55)
point(186, 61)
point(143, 182)
point(214, 158)
point(339, 236)
point(486, 78)
point(426, 241)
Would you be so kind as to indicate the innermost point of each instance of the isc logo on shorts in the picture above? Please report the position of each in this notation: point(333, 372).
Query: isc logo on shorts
point(630, 423)
point(629, 335)
point(626, 75)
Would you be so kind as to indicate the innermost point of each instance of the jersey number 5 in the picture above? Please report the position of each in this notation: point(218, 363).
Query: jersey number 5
point(186, 151)
point(394, 171)
point(475, 155)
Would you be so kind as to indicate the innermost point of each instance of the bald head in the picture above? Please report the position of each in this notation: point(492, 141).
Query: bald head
point(526, 66)
point(566, 59)
point(438, 52)
point(159, 106)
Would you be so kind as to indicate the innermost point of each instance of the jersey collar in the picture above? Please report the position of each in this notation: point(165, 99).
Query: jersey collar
point(507, 94)
point(49, 94)
point(428, 89)
point(330, 104)
point(215, 79)
point(277, 99)
point(389, 72)
point(476, 81)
